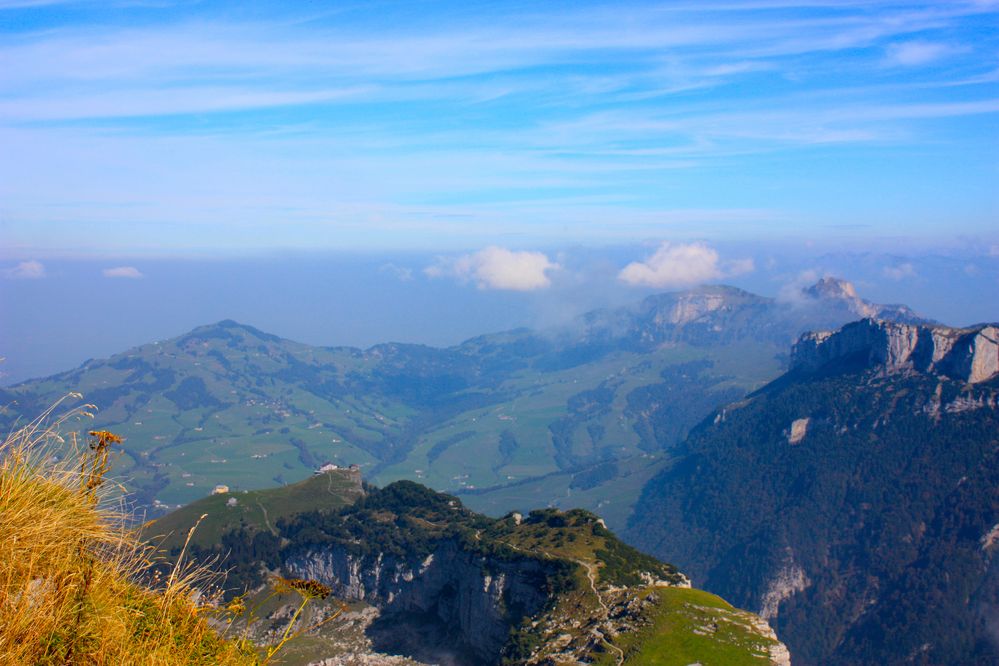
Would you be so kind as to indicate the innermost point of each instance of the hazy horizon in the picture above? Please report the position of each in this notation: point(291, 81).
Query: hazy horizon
point(70, 311)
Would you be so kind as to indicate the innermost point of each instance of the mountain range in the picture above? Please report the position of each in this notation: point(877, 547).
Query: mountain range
point(581, 415)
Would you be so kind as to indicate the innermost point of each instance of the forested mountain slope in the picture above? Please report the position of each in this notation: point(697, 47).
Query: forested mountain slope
point(852, 502)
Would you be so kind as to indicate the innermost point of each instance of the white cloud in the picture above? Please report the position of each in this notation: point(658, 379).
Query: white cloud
point(900, 272)
point(498, 268)
point(26, 270)
point(128, 272)
point(682, 265)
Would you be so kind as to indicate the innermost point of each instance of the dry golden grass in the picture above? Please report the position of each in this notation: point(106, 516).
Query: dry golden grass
point(71, 568)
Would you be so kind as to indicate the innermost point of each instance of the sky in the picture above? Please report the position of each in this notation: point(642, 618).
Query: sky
point(187, 128)
point(420, 171)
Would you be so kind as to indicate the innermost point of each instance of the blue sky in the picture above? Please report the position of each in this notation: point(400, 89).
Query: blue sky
point(347, 173)
point(227, 128)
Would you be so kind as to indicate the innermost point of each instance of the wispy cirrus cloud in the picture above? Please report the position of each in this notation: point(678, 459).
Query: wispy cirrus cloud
point(137, 102)
point(253, 63)
point(352, 119)
point(917, 53)
point(26, 270)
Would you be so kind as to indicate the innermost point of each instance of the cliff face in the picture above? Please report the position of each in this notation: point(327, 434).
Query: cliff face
point(477, 602)
point(689, 307)
point(969, 355)
point(478, 598)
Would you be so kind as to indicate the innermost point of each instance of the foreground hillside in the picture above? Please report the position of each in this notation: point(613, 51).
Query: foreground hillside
point(429, 579)
point(853, 501)
point(74, 587)
point(581, 416)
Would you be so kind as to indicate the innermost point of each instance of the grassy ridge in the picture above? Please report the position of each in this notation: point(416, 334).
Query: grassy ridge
point(254, 509)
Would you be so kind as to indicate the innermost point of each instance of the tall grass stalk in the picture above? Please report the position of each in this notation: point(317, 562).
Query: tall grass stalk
point(73, 571)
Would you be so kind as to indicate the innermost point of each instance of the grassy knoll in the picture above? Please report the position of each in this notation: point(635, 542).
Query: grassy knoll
point(255, 509)
point(692, 626)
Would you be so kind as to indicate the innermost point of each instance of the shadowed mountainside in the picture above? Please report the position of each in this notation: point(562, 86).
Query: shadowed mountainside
point(852, 501)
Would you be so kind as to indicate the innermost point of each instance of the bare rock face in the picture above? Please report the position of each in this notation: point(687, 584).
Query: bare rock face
point(465, 592)
point(970, 354)
point(690, 307)
point(798, 430)
point(788, 581)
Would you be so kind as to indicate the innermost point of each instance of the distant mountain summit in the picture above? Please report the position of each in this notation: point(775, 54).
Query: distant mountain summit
point(723, 314)
point(843, 294)
point(830, 288)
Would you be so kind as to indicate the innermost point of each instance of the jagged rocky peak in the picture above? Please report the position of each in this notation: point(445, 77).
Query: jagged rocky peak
point(830, 287)
point(841, 291)
point(966, 354)
point(832, 290)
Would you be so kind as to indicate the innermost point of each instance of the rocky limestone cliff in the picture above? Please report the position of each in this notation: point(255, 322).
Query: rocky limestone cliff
point(969, 354)
point(478, 599)
point(689, 307)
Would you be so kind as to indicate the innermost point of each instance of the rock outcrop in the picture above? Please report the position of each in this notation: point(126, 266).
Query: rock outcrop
point(966, 354)
point(689, 307)
point(834, 291)
point(478, 598)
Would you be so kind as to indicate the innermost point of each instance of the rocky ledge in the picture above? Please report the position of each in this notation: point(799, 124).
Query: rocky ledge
point(965, 354)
